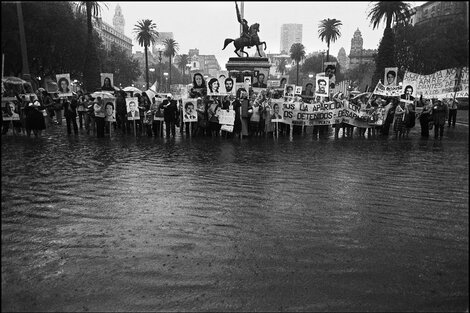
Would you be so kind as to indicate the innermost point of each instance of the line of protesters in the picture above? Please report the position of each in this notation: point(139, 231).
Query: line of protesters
point(253, 114)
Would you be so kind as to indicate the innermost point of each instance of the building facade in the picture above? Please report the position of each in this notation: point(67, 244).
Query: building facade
point(358, 55)
point(343, 59)
point(113, 34)
point(290, 34)
point(204, 64)
point(439, 12)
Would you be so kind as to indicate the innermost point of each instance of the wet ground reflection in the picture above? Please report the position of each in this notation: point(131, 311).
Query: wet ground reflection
point(124, 223)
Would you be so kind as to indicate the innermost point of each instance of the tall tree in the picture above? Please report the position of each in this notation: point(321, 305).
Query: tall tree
point(328, 31)
point(281, 66)
point(171, 48)
point(183, 60)
point(126, 69)
point(91, 77)
point(389, 12)
point(146, 34)
point(297, 53)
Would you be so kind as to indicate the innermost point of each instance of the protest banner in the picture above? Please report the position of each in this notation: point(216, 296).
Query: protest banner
point(387, 91)
point(274, 83)
point(326, 113)
point(63, 82)
point(441, 84)
point(390, 76)
point(190, 113)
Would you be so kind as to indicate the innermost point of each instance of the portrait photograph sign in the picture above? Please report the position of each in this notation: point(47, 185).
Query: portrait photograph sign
point(322, 86)
point(227, 86)
point(213, 87)
point(107, 81)
point(247, 82)
point(190, 110)
point(283, 81)
point(298, 90)
point(289, 90)
point(63, 84)
point(110, 109)
point(308, 90)
point(132, 108)
point(330, 72)
point(9, 111)
point(390, 77)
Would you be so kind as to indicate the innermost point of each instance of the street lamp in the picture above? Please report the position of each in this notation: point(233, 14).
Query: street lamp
point(166, 81)
point(152, 70)
point(189, 72)
point(160, 48)
point(310, 75)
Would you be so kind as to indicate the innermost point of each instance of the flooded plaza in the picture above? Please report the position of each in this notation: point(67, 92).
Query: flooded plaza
point(215, 224)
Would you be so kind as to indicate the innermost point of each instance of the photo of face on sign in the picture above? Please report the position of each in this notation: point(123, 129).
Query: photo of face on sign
point(213, 87)
point(330, 72)
point(289, 90)
point(322, 86)
point(110, 113)
point(190, 113)
point(107, 81)
point(63, 83)
point(247, 82)
point(408, 92)
point(390, 78)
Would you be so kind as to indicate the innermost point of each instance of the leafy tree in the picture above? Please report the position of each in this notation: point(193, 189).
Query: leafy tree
point(297, 53)
point(182, 61)
point(328, 31)
point(126, 69)
point(91, 78)
point(171, 48)
point(389, 12)
point(281, 67)
point(146, 34)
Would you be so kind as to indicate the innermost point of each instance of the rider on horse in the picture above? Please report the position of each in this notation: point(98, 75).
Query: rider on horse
point(245, 29)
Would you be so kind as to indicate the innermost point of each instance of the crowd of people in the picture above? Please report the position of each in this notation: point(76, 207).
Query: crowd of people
point(256, 114)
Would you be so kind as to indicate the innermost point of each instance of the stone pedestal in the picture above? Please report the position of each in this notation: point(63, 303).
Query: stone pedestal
point(241, 67)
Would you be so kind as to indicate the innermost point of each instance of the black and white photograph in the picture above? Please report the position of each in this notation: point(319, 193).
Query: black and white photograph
point(235, 156)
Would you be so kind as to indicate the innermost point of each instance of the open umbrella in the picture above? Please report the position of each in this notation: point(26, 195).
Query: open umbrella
point(102, 94)
point(132, 89)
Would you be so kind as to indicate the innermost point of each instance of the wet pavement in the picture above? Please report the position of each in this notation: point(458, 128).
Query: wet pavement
point(210, 224)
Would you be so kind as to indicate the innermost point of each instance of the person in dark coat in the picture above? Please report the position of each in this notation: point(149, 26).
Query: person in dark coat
point(34, 119)
point(70, 113)
point(440, 113)
point(425, 117)
point(170, 115)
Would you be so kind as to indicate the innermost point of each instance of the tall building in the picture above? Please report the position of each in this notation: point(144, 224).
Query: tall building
point(343, 59)
point(290, 34)
point(204, 64)
point(439, 12)
point(358, 55)
point(118, 19)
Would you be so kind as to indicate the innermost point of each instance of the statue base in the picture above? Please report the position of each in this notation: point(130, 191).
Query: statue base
point(241, 67)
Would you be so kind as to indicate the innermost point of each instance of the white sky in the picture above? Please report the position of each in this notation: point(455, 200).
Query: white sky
point(205, 25)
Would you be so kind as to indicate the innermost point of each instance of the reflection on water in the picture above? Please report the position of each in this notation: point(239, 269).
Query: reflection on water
point(140, 224)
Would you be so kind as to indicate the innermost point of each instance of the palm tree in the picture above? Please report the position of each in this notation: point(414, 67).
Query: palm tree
point(171, 48)
point(90, 67)
point(183, 60)
point(389, 12)
point(297, 53)
point(281, 67)
point(146, 34)
point(328, 31)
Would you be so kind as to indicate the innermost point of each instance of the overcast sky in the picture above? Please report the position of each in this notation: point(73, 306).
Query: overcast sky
point(205, 25)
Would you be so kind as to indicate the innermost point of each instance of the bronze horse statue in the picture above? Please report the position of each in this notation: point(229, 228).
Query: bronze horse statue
point(243, 42)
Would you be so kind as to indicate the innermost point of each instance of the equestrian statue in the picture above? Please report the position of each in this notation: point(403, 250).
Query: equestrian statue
point(248, 38)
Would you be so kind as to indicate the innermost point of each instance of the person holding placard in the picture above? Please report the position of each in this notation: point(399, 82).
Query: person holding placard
point(170, 112)
point(70, 113)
